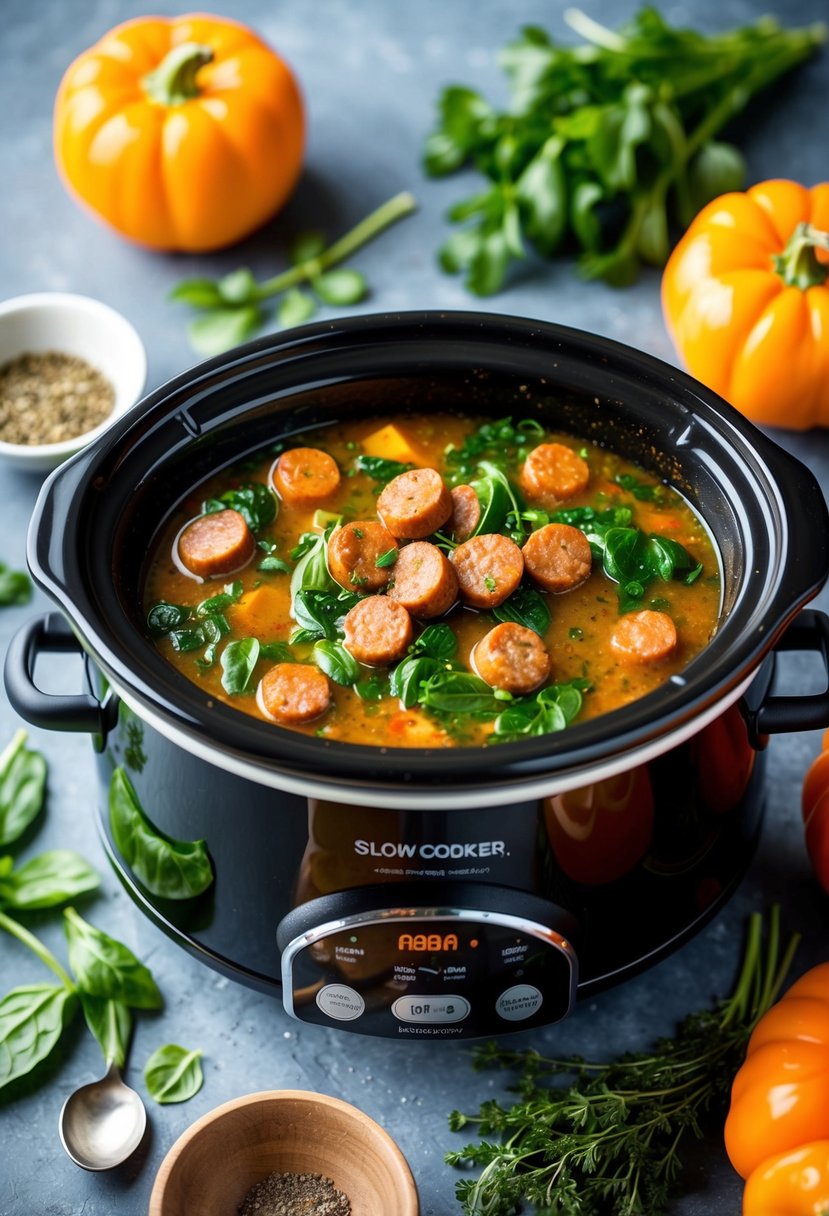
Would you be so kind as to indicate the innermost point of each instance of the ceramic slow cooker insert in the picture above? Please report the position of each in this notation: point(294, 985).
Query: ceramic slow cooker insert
point(447, 892)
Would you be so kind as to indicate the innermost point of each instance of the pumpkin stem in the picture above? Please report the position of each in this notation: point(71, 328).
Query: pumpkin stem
point(798, 264)
point(174, 80)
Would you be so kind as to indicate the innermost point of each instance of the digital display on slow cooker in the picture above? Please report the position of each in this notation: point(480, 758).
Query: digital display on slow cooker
point(433, 977)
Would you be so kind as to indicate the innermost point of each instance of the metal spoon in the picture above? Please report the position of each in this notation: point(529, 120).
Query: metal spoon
point(101, 1124)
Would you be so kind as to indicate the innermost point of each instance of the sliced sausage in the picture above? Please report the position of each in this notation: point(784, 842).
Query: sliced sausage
point(553, 472)
point(557, 557)
point(424, 580)
point(466, 512)
point(305, 475)
point(415, 504)
point(513, 657)
point(644, 637)
point(377, 631)
point(489, 568)
point(216, 544)
point(293, 693)
point(353, 551)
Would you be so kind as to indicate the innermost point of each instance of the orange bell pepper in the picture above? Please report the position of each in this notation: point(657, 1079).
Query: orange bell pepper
point(746, 301)
point(182, 134)
point(790, 1184)
point(780, 1096)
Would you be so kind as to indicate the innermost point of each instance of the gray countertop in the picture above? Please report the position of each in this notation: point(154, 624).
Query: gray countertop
point(371, 72)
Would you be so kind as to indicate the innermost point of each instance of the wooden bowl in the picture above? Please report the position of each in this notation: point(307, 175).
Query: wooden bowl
point(213, 1165)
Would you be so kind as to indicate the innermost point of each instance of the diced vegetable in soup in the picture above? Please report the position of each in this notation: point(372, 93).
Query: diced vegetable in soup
point(432, 582)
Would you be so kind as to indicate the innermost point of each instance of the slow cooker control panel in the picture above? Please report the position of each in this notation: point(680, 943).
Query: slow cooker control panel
point(447, 969)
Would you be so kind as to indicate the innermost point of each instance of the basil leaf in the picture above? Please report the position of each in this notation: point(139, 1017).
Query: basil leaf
point(341, 287)
point(47, 880)
point(551, 709)
point(374, 688)
point(254, 502)
point(32, 1019)
point(172, 869)
point(238, 661)
point(527, 607)
point(382, 470)
point(295, 308)
point(111, 1024)
point(163, 618)
point(22, 783)
point(279, 652)
point(408, 677)
point(15, 587)
point(672, 560)
point(456, 692)
point(173, 1074)
point(105, 967)
point(223, 328)
point(320, 614)
point(336, 662)
point(436, 641)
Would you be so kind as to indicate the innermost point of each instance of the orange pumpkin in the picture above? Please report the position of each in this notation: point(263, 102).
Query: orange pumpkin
point(745, 296)
point(182, 134)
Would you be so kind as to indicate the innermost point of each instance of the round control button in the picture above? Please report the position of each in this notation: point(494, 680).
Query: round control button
point(519, 1002)
point(340, 1002)
point(431, 1009)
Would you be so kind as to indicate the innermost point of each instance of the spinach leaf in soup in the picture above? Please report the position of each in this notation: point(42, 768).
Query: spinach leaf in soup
point(254, 502)
point(332, 658)
point(381, 470)
point(550, 709)
point(171, 869)
point(320, 614)
point(238, 661)
point(526, 607)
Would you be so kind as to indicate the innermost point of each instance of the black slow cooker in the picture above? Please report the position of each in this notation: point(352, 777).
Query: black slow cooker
point(447, 892)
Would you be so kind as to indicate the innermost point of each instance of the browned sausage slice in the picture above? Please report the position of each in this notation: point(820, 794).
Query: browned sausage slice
point(216, 544)
point(293, 693)
point(513, 657)
point(353, 551)
point(557, 557)
point(489, 568)
point(553, 472)
point(415, 504)
point(644, 637)
point(466, 512)
point(305, 475)
point(423, 580)
point(377, 631)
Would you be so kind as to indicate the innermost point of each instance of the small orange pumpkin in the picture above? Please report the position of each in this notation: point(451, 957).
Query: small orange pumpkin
point(182, 134)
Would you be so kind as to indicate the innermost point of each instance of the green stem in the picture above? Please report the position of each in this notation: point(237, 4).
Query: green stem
point(395, 209)
point(798, 265)
point(37, 947)
point(174, 82)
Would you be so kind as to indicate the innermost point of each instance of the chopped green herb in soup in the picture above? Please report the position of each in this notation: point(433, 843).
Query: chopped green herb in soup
point(433, 582)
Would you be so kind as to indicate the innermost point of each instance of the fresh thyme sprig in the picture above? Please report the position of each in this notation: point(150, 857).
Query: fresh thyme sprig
point(232, 309)
point(608, 1139)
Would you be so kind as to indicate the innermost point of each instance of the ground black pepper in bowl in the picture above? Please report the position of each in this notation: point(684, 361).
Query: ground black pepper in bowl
point(295, 1195)
point(49, 397)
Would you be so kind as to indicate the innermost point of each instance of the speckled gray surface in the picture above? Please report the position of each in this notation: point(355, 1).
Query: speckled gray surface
point(371, 72)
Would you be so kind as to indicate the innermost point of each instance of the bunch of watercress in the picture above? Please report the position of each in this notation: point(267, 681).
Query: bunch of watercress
point(602, 144)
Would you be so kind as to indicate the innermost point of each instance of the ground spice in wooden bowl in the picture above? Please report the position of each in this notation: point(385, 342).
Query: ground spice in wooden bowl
point(49, 397)
point(295, 1195)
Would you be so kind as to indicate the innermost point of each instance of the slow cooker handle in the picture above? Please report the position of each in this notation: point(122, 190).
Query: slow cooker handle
point(809, 631)
point(52, 634)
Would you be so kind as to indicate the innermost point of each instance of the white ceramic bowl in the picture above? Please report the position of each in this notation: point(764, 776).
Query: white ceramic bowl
point(73, 325)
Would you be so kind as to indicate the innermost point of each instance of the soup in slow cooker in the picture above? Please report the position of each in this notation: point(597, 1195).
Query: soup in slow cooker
point(434, 582)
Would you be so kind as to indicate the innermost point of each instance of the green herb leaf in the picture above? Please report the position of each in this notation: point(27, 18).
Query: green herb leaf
point(15, 587)
point(307, 247)
point(320, 614)
point(254, 502)
point(437, 641)
point(198, 293)
point(527, 607)
point(172, 869)
point(47, 880)
point(295, 308)
point(111, 1024)
point(239, 287)
point(105, 967)
point(387, 559)
point(163, 618)
point(32, 1019)
point(457, 692)
point(380, 469)
point(223, 328)
point(551, 709)
point(341, 287)
point(173, 1074)
point(717, 168)
point(238, 662)
point(22, 784)
point(278, 652)
point(333, 658)
point(274, 565)
point(373, 688)
point(311, 571)
point(410, 675)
